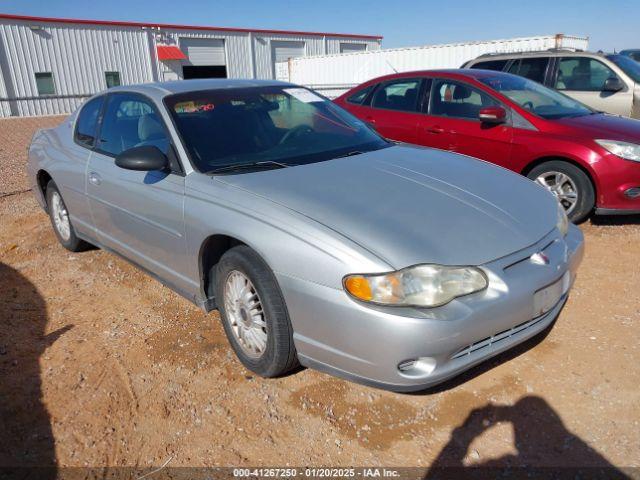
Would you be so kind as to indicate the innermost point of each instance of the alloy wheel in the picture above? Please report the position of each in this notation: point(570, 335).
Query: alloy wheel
point(562, 187)
point(245, 314)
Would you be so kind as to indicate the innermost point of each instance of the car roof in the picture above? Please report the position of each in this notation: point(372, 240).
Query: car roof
point(163, 89)
point(538, 53)
point(454, 73)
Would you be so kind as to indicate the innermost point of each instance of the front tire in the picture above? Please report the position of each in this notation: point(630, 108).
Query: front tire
point(254, 314)
point(60, 220)
point(569, 184)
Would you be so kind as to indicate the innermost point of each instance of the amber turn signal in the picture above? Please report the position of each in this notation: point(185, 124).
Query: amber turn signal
point(358, 287)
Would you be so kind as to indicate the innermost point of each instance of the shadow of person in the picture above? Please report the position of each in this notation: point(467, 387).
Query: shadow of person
point(26, 438)
point(545, 448)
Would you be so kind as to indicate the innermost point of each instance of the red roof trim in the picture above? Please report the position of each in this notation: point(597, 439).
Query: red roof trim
point(180, 27)
point(169, 52)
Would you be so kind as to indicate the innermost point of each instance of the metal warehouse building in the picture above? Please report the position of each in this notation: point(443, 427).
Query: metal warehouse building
point(50, 65)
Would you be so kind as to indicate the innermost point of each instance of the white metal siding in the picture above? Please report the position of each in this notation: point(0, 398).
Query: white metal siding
point(334, 74)
point(78, 55)
point(204, 51)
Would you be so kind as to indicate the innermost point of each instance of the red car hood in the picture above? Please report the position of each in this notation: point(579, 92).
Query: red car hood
point(603, 126)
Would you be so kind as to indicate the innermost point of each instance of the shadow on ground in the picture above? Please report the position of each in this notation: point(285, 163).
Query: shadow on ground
point(26, 438)
point(615, 220)
point(540, 438)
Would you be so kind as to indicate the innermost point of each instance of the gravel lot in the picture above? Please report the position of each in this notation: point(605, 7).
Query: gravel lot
point(100, 365)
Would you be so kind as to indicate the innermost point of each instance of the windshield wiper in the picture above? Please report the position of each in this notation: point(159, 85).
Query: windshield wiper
point(350, 154)
point(247, 166)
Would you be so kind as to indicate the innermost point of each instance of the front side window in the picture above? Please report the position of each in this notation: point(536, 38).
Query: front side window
point(44, 83)
point(491, 65)
point(627, 65)
point(112, 79)
point(458, 100)
point(360, 96)
point(399, 95)
point(87, 122)
point(582, 74)
point(225, 128)
point(536, 98)
point(131, 121)
point(532, 68)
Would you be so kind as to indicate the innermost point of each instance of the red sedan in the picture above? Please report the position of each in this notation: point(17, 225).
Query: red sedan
point(589, 160)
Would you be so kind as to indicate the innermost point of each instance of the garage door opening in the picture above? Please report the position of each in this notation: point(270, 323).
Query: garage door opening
point(204, 71)
point(282, 51)
point(206, 58)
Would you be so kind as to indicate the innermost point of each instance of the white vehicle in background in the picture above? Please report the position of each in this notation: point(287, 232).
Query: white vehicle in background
point(605, 82)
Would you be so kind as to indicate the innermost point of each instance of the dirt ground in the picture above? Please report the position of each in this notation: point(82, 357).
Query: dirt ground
point(101, 365)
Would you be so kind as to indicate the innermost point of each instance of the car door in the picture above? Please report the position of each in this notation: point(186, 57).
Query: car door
point(583, 78)
point(392, 109)
point(138, 214)
point(451, 122)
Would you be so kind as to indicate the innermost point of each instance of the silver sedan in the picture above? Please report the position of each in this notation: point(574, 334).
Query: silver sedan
point(319, 242)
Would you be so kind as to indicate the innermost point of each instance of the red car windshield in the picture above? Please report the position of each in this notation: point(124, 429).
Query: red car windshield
point(532, 96)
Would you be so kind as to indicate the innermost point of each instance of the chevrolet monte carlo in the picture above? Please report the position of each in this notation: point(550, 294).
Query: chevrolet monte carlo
point(319, 242)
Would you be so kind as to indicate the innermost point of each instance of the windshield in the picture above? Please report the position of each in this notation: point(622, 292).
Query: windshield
point(539, 100)
point(628, 66)
point(275, 125)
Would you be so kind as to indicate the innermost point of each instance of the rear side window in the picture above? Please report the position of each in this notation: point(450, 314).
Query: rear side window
point(399, 95)
point(360, 96)
point(87, 122)
point(582, 74)
point(532, 68)
point(131, 121)
point(491, 65)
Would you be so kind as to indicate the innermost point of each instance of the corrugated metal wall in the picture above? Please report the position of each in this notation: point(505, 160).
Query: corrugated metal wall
point(334, 74)
point(78, 55)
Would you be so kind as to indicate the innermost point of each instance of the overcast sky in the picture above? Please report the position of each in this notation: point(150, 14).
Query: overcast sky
point(609, 24)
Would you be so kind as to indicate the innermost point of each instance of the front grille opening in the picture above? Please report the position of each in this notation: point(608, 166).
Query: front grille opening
point(495, 338)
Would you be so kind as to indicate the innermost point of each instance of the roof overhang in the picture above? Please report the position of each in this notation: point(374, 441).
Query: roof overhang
point(82, 21)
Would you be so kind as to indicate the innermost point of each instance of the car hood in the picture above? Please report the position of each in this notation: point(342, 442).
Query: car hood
point(604, 126)
point(410, 205)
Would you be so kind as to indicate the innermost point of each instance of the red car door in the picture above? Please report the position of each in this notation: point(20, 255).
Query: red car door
point(393, 109)
point(451, 123)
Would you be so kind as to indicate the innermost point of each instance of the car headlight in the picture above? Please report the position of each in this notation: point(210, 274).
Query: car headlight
point(418, 286)
point(626, 150)
point(563, 221)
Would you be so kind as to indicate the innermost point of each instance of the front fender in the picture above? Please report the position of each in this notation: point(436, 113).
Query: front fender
point(291, 244)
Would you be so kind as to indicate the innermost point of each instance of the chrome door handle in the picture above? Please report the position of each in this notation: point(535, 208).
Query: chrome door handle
point(94, 178)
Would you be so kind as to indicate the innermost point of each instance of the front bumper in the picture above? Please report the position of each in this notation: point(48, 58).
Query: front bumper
point(618, 181)
point(338, 335)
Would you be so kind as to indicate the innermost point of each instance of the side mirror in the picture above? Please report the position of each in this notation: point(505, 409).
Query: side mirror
point(144, 159)
point(613, 84)
point(493, 115)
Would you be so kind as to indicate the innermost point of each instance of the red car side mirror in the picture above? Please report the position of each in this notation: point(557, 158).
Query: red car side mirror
point(494, 115)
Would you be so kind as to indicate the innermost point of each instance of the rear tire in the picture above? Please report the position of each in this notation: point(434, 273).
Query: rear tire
point(569, 184)
point(254, 314)
point(61, 222)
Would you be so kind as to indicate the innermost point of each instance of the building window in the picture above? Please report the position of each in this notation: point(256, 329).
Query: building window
point(44, 83)
point(113, 79)
point(353, 47)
